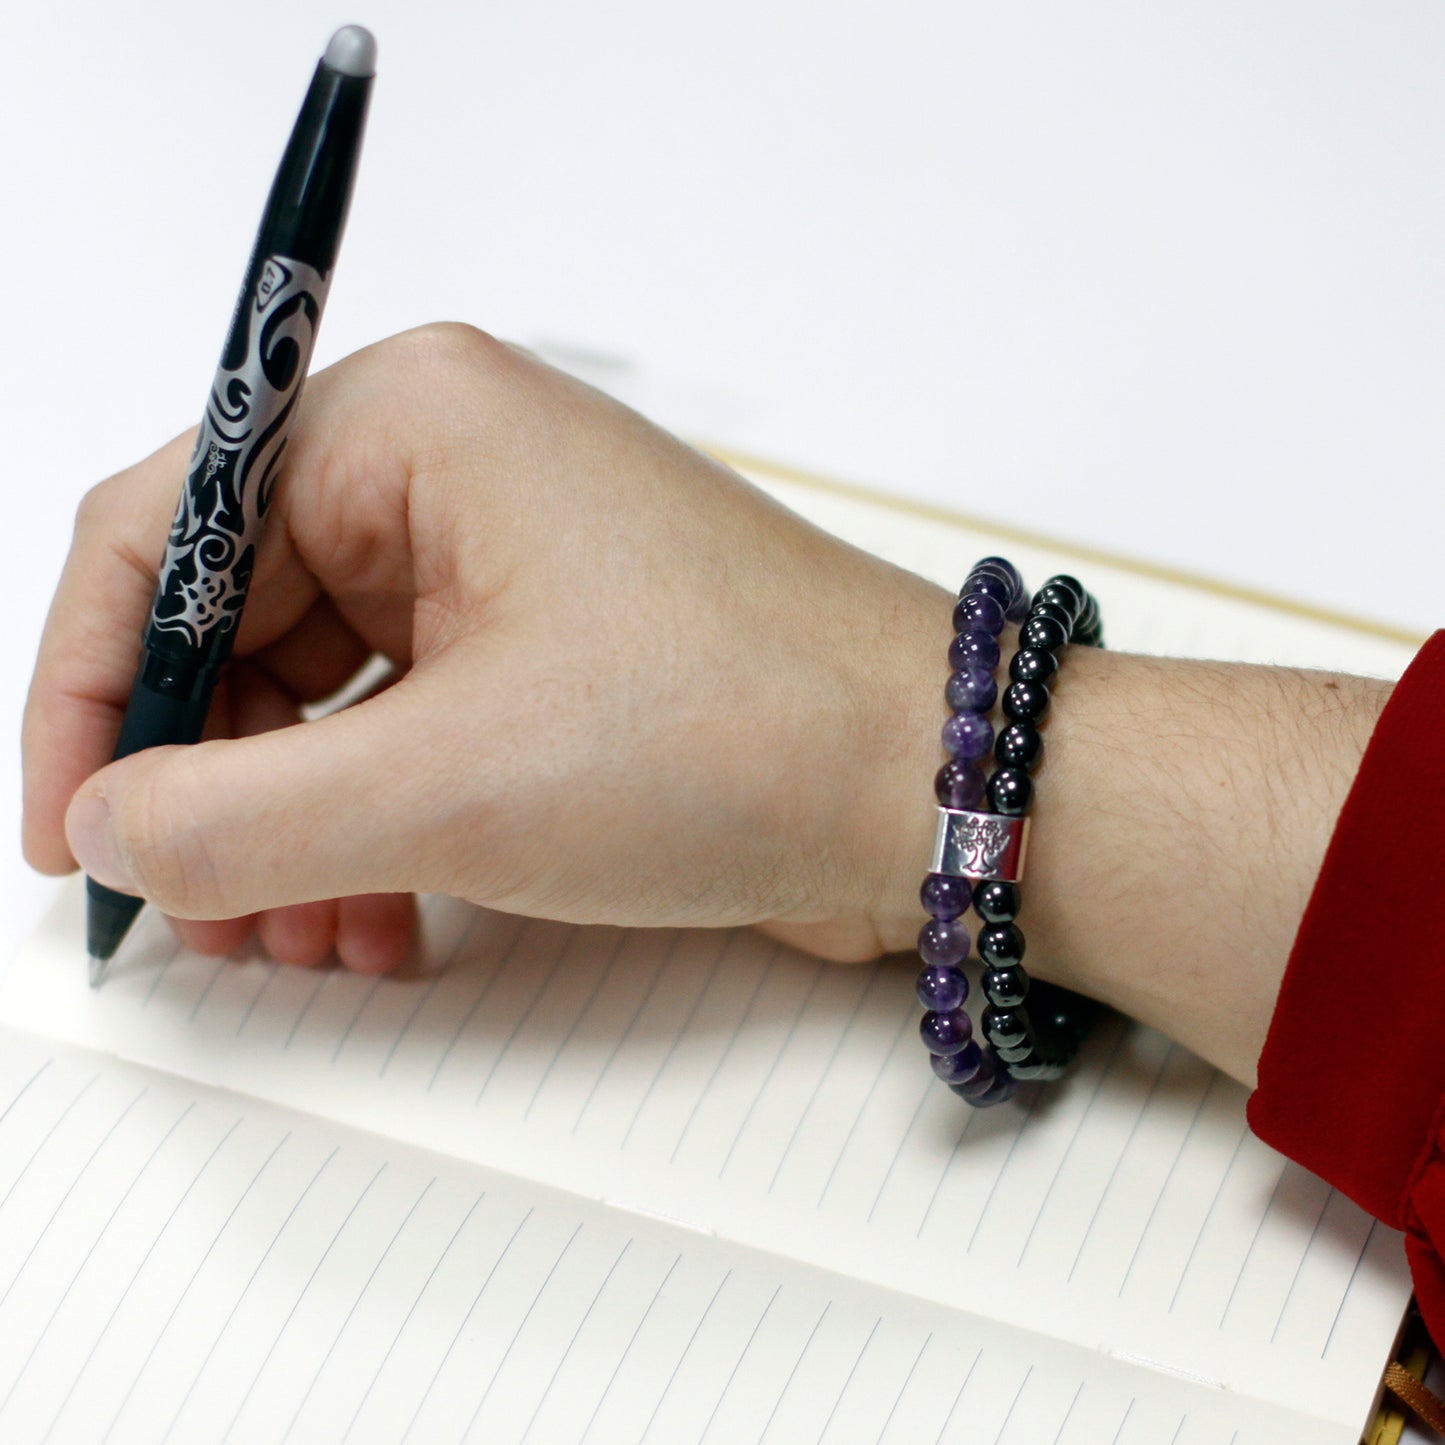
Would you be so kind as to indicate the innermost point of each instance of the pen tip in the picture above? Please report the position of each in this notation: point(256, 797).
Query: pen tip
point(97, 969)
point(351, 51)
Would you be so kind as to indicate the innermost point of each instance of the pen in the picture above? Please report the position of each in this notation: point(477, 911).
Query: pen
point(212, 545)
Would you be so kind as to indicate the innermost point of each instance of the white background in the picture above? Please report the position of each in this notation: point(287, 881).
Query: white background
point(1167, 278)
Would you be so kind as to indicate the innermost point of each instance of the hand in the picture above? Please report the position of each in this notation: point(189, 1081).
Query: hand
point(628, 688)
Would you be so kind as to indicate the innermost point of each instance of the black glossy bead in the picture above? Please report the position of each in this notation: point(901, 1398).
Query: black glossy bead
point(1019, 745)
point(1026, 1070)
point(1064, 616)
point(1005, 1028)
point(1062, 596)
point(996, 901)
point(1046, 632)
point(1016, 1056)
point(1005, 987)
point(1026, 701)
point(1033, 664)
point(1069, 584)
point(1001, 945)
point(1010, 791)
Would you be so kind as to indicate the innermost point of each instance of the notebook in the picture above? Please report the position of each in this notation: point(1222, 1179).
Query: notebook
point(593, 1185)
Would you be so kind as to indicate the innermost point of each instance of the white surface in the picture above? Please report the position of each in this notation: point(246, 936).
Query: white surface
point(1162, 277)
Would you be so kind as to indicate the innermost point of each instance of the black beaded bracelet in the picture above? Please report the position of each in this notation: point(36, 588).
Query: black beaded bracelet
point(1031, 1029)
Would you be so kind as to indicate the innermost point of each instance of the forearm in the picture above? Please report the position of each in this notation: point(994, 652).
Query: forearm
point(1181, 814)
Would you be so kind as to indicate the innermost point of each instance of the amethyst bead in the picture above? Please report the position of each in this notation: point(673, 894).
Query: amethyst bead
point(1000, 1091)
point(946, 1033)
point(942, 987)
point(959, 784)
point(943, 940)
point(977, 649)
point(958, 1068)
point(943, 896)
point(988, 584)
point(1001, 567)
point(976, 612)
point(967, 735)
point(971, 689)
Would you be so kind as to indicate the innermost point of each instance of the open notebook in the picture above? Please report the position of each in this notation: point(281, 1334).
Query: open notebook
point(593, 1185)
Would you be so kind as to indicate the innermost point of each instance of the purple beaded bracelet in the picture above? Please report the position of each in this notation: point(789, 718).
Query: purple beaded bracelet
point(979, 854)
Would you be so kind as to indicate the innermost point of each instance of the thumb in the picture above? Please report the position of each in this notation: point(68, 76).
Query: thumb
point(324, 809)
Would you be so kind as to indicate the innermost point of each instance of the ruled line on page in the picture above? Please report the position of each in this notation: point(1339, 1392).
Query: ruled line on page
point(738, 1363)
point(723, 1057)
point(1002, 1170)
point(852, 1370)
point(1094, 1093)
point(526, 1013)
point(953, 1408)
point(857, 1117)
point(462, 1324)
point(651, 1419)
point(90, 1252)
point(1299, 1268)
point(627, 1349)
point(1168, 1179)
point(1014, 1403)
point(842, 1038)
point(903, 1388)
point(724, 946)
point(195, 1274)
point(792, 1373)
point(69, 1190)
point(644, 997)
point(1254, 1240)
point(582, 1012)
point(355, 1303)
point(1123, 1422)
point(772, 1067)
point(1119, 1160)
point(136, 1273)
point(245, 1290)
point(296, 1303)
point(1344, 1298)
point(411, 1311)
point(46, 1138)
point(1208, 1215)
point(1068, 1414)
point(496, 972)
point(562, 1360)
point(521, 1325)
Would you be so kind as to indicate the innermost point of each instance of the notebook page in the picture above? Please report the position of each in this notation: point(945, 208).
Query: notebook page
point(717, 1080)
point(183, 1264)
point(766, 1099)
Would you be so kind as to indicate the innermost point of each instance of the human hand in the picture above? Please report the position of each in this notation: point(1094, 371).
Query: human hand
point(629, 689)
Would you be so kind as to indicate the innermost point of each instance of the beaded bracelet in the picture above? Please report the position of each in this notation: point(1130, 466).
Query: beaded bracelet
point(1031, 1030)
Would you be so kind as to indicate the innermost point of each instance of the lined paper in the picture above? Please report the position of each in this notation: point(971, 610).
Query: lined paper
point(681, 1185)
point(180, 1263)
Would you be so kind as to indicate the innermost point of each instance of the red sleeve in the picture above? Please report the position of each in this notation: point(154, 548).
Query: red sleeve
point(1352, 1077)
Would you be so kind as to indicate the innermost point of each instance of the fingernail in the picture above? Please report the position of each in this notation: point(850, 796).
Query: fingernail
point(88, 831)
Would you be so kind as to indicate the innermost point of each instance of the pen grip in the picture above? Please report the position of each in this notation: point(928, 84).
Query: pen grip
point(154, 718)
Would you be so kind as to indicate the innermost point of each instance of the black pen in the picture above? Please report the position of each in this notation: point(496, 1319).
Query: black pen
point(212, 546)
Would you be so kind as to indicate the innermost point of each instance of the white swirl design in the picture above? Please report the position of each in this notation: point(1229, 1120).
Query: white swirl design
point(212, 546)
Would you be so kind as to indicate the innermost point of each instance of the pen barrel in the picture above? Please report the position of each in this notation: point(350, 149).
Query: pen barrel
point(211, 551)
point(168, 703)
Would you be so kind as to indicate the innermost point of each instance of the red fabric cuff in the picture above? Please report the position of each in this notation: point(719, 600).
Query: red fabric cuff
point(1357, 1095)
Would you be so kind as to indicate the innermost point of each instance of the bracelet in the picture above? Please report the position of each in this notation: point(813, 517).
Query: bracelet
point(1032, 1030)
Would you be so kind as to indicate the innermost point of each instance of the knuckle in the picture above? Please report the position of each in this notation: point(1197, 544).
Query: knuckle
point(452, 347)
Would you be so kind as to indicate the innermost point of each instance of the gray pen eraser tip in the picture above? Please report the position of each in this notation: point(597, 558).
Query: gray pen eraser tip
point(351, 51)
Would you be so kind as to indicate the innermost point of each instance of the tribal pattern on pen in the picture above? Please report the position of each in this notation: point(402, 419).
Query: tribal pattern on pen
point(212, 545)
